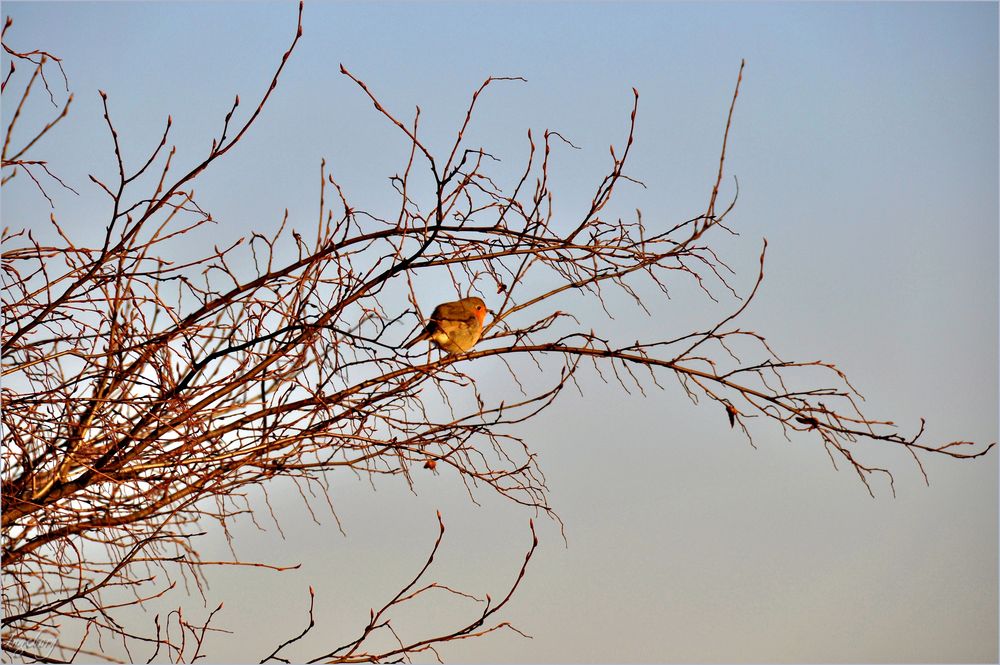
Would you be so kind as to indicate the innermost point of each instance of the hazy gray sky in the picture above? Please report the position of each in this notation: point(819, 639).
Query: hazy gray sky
point(865, 143)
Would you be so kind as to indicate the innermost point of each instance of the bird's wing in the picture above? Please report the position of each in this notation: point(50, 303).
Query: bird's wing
point(452, 311)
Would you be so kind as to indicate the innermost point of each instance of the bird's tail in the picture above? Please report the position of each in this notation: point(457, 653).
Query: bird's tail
point(424, 334)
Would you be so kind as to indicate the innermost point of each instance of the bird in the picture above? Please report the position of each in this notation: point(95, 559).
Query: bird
point(454, 326)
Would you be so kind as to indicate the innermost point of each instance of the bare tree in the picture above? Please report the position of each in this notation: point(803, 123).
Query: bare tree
point(143, 396)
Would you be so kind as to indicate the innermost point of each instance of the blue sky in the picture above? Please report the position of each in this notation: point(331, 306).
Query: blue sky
point(865, 143)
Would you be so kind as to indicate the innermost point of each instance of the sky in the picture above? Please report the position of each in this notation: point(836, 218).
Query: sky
point(865, 143)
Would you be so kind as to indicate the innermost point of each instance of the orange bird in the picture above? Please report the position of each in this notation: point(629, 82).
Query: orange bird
point(455, 326)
